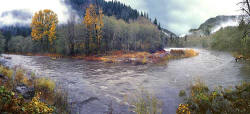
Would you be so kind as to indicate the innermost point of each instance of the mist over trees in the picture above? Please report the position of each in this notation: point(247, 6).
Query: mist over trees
point(94, 34)
point(119, 27)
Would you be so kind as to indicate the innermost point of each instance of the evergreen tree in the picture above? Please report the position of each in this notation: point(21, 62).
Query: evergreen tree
point(159, 26)
point(147, 16)
point(155, 21)
point(142, 14)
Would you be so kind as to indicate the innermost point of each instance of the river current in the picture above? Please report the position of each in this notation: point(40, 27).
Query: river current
point(92, 86)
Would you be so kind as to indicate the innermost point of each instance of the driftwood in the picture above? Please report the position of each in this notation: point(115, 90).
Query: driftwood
point(239, 58)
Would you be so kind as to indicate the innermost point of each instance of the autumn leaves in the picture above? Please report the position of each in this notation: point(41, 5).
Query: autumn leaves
point(94, 24)
point(44, 25)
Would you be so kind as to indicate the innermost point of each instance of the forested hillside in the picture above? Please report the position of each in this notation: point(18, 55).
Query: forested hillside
point(111, 8)
point(96, 33)
point(214, 24)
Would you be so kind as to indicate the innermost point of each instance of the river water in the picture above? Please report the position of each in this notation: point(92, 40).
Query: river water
point(100, 83)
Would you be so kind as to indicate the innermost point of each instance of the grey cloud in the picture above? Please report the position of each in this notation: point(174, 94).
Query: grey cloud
point(181, 15)
point(19, 14)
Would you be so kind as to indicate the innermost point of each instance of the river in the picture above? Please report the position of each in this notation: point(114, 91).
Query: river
point(105, 82)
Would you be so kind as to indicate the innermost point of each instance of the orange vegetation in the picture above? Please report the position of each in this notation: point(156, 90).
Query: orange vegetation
point(180, 53)
point(130, 57)
point(190, 53)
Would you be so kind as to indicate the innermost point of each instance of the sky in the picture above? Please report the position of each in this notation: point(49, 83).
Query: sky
point(29, 7)
point(177, 16)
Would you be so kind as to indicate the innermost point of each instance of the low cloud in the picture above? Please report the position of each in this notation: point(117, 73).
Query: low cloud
point(181, 15)
point(8, 9)
point(14, 17)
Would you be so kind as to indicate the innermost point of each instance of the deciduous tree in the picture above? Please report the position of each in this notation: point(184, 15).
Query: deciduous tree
point(43, 27)
point(93, 21)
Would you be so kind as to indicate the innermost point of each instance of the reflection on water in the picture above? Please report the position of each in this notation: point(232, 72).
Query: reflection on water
point(111, 82)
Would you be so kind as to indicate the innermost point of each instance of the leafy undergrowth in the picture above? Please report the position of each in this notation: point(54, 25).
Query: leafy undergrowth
point(54, 99)
point(12, 103)
point(229, 100)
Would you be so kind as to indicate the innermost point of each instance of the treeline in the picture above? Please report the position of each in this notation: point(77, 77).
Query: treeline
point(110, 8)
point(72, 38)
point(231, 39)
point(14, 30)
point(2, 43)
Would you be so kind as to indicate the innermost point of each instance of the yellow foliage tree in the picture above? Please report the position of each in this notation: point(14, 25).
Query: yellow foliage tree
point(94, 24)
point(99, 26)
point(43, 27)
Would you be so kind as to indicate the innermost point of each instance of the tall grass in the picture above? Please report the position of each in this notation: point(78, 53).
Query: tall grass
point(145, 103)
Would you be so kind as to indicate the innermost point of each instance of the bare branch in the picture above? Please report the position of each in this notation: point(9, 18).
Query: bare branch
point(246, 11)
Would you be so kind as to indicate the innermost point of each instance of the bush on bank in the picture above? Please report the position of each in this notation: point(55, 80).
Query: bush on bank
point(202, 100)
point(47, 99)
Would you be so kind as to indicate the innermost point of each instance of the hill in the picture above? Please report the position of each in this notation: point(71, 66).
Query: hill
point(214, 24)
point(110, 8)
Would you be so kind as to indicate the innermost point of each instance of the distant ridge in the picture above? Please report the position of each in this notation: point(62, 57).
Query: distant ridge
point(214, 24)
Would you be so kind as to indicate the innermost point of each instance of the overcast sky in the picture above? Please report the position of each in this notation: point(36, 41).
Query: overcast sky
point(176, 15)
point(31, 6)
point(180, 15)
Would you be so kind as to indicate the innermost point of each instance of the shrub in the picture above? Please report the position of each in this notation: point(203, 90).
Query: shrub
point(227, 100)
point(11, 103)
point(6, 72)
point(183, 109)
point(8, 101)
point(36, 106)
point(190, 53)
point(19, 76)
point(179, 53)
point(182, 93)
